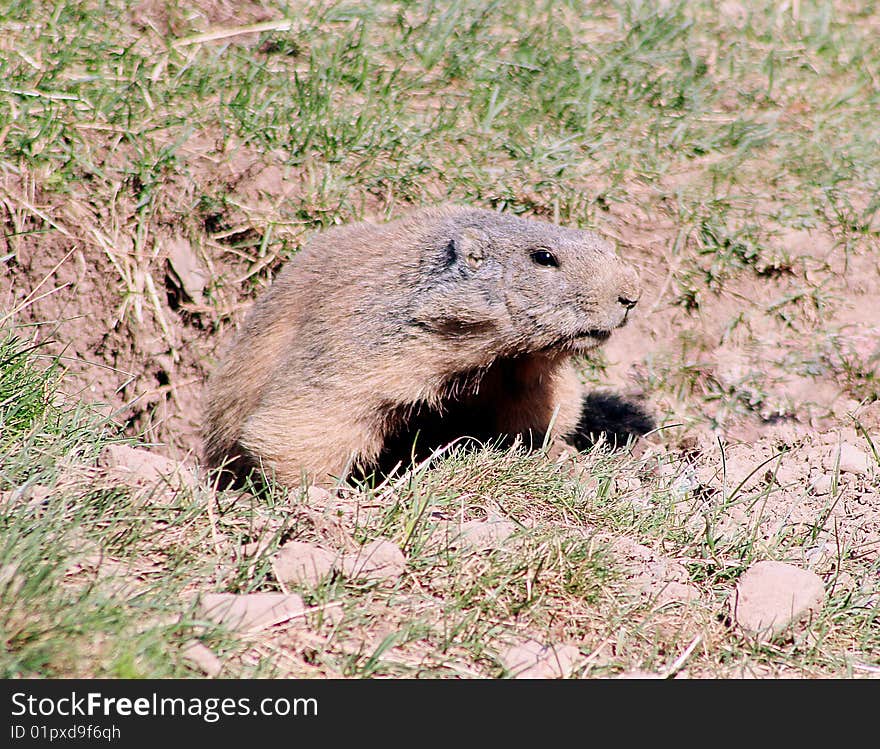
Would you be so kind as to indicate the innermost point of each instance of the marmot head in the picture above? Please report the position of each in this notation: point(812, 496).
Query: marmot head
point(527, 285)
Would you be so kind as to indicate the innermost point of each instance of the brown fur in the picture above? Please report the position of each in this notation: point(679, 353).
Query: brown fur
point(441, 323)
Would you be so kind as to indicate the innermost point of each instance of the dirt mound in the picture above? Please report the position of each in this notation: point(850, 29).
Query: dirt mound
point(137, 300)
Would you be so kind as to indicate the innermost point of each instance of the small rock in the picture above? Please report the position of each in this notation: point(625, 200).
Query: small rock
point(187, 267)
point(739, 468)
point(869, 416)
point(822, 485)
point(852, 459)
point(203, 657)
point(251, 612)
point(629, 550)
point(318, 496)
point(269, 182)
point(331, 505)
point(771, 595)
point(377, 560)
point(677, 592)
point(786, 473)
point(532, 660)
point(298, 563)
point(138, 467)
point(481, 535)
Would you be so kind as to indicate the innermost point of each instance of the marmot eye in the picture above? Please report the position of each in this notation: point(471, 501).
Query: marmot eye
point(542, 257)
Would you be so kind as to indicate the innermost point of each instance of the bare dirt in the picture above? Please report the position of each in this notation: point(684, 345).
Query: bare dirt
point(137, 304)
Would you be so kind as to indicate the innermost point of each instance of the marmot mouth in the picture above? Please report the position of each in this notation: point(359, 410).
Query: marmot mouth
point(584, 340)
point(588, 338)
point(597, 334)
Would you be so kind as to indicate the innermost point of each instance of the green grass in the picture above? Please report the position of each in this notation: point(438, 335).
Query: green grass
point(480, 102)
point(707, 144)
point(98, 579)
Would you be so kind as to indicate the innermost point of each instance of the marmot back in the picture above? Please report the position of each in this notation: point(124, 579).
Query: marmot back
point(451, 321)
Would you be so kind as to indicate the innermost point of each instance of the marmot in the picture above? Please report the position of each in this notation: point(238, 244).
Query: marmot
point(451, 321)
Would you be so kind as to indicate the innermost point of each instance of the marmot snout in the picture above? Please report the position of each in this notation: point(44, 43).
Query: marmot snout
point(452, 321)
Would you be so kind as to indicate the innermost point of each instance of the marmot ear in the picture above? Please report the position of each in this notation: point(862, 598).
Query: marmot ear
point(471, 245)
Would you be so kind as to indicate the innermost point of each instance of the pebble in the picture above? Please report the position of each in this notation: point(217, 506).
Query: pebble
point(298, 563)
point(138, 468)
point(822, 484)
point(203, 657)
point(677, 592)
point(533, 660)
point(772, 595)
point(188, 268)
point(318, 496)
point(481, 535)
point(378, 560)
point(250, 612)
point(852, 459)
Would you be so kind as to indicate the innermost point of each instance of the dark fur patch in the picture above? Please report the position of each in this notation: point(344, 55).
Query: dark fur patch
point(238, 471)
point(450, 256)
point(618, 418)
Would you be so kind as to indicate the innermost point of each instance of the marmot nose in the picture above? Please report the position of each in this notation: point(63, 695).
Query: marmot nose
point(628, 288)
